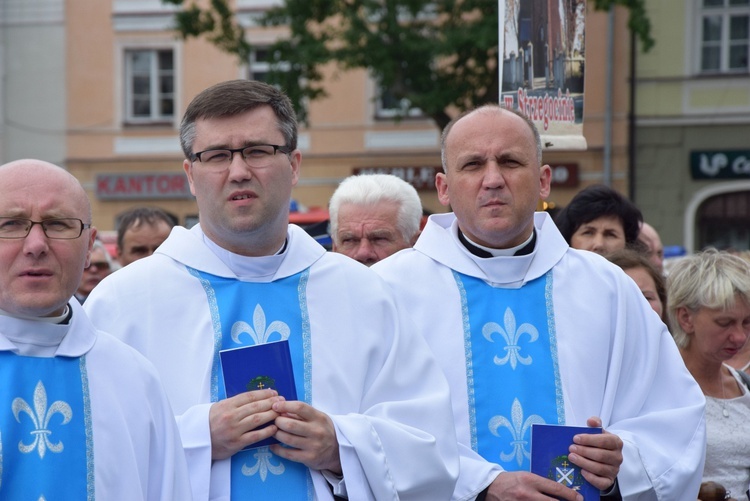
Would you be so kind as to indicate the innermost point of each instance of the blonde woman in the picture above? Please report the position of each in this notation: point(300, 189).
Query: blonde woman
point(709, 312)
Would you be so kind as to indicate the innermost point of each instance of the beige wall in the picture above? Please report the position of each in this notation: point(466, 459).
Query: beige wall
point(680, 111)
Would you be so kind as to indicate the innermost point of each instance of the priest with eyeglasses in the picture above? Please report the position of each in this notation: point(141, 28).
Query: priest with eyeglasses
point(371, 418)
point(82, 415)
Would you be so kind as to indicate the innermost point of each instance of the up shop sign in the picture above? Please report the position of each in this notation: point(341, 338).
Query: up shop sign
point(728, 164)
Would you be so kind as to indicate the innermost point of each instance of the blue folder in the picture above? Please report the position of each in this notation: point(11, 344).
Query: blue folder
point(549, 457)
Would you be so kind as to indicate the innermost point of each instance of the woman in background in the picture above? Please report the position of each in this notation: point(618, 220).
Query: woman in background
point(599, 219)
point(709, 311)
point(638, 267)
point(741, 361)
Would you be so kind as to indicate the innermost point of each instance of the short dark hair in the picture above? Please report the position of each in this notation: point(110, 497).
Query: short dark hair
point(140, 215)
point(232, 98)
point(597, 201)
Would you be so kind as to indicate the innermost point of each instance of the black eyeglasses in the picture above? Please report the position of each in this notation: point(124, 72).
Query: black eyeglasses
point(256, 155)
point(66, 228)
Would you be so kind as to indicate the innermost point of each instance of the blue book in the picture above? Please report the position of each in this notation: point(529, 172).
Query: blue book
point(258, 367)
point(549, 457)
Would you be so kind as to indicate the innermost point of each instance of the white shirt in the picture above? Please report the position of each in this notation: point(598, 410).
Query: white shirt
point(728, 442)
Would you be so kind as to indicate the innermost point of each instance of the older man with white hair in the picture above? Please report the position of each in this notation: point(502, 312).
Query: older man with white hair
point(374, 216)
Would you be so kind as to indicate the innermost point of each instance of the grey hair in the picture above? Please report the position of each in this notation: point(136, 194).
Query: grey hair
point(371, 189)
point(710, 279)
point(489, 108)
point(232, 98)
point(98, 244)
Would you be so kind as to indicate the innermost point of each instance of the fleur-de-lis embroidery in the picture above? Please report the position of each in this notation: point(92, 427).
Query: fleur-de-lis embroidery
point(258, 331)
point(512, 337)
point(41, 416)
point(518, 429)
point(263, 465)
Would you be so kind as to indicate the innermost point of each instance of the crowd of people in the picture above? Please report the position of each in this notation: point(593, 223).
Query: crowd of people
point(418, 376)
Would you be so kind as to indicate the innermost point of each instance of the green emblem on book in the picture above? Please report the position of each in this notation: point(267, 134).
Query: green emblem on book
point(261, 383)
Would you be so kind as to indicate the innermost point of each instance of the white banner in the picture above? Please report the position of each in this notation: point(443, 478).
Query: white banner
point(542, 65)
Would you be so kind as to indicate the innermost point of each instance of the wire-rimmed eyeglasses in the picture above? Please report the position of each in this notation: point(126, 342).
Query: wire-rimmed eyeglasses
point(255, 155)
point(65, 228)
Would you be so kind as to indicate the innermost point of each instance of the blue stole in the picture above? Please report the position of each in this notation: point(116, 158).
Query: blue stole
point(46, 442)
point(512, 373)
point(250, 313)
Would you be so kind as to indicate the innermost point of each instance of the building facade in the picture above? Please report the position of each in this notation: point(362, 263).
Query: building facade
point(99, 87)
point(693, 124)
point(32, 80)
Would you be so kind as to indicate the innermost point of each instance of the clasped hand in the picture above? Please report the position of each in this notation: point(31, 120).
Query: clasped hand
point(234, 421)
point(598, 455)
point(308, 434)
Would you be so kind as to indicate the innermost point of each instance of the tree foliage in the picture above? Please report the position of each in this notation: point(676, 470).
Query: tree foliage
point(217, 23)
point(435, 55)
point(638, 21)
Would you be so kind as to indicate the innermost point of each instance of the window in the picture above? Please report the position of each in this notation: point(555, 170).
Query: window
point(389, 106)
point(724, 221)
point(725, 36)
point(261, 63)
point(149, 86)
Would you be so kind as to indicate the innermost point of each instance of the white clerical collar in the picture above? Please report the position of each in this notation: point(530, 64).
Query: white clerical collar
point(501, 252)
point(50, 320)
point(247, 266)
point(33, 336)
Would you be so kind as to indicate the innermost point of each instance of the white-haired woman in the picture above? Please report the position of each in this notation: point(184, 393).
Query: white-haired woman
point(708, 298)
